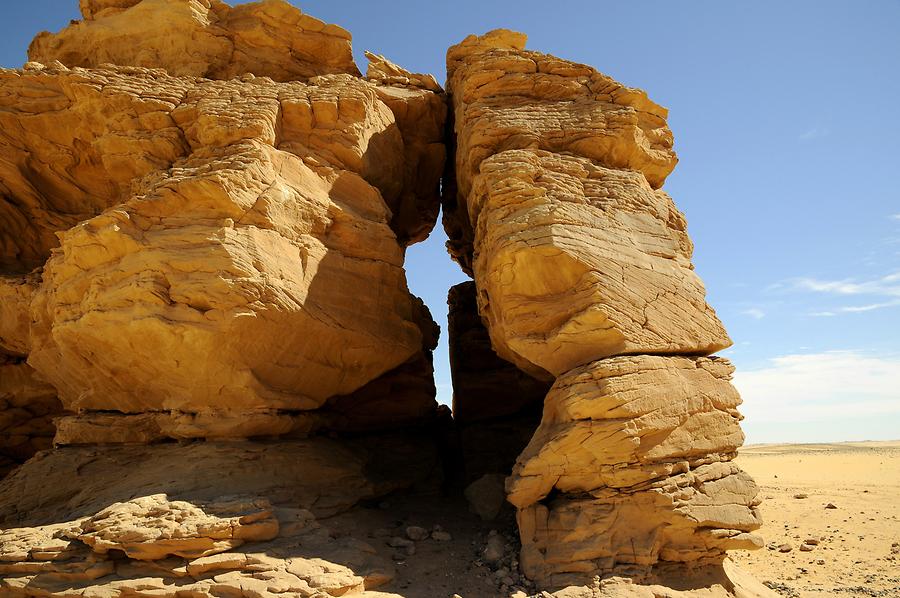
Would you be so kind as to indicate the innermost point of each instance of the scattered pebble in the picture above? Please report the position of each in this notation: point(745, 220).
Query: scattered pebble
point(494, 549)
point(398, 542)
point(416, 533)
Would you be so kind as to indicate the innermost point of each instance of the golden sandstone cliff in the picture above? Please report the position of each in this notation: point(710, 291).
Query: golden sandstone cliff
point(583, 272)
point(204, 213)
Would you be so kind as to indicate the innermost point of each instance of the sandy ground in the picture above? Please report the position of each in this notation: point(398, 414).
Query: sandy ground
point(439, 569)
point(858, 550)
point(850, 550)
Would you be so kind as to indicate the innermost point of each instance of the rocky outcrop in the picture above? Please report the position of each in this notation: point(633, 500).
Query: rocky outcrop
point(485, 386)
point(151, 545)
point(654, 413)
point(200, 38)
point(250, 233)
point(204, 211)
point(583, 274)
point(576, 252)
point(642, 444)
point(420, 109)
point(209, 352)
point(325, 476)
point(28, 404)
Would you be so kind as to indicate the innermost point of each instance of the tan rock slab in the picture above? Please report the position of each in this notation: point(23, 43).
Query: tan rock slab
point(576, 261)
point(625, 421)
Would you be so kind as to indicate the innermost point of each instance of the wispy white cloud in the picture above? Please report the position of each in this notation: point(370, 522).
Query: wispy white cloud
point(884, 292)
point(852, 309)
point(855, 309)
point(888, 285)
point(821, 386)
point(755, 313)
point(895, 216)
point(816, 132)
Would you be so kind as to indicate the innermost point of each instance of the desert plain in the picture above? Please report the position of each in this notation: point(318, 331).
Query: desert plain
point(855, 548)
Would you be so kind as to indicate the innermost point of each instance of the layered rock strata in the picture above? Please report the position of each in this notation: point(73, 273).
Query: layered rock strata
point(28, 404)
point(631, 467)
point(202, 219)
point(583, 274)
point(190, 549)
point(204, 211)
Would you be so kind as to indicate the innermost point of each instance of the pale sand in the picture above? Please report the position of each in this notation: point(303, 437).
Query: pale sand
point(859, 549)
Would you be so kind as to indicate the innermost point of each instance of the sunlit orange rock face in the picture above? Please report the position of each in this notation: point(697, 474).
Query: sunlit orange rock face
point(208, 347)
point(202, 234)
point(583, 272)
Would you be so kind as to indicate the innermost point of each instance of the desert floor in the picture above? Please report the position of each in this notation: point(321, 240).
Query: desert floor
point(858, 550)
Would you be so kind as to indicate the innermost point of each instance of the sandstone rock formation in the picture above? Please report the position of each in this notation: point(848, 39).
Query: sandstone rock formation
point(576, 252)
point(28, 403)
point(203, 218)
point(583, 274)
point(188, 548)
point(211, 365)
point(484, 385)
point(27, 408)
point(200, 38)
point(637, 451)
point(236, 241)
point(219, 234)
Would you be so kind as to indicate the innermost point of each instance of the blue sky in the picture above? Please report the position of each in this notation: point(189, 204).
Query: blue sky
point(787, 126)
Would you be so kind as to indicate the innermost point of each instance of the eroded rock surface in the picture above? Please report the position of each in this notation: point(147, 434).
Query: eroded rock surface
point(200, 38)
point(656, 414)
point(250, 234)
point(496, 406)
point(583, 274)
point(420, 109)
point(576, 253)
point(204, 211)
point(642, 444)
point(325, 476)
point(152, 545)
point(203, 216)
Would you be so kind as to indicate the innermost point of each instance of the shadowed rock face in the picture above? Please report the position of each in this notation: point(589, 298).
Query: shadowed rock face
point(496, 406)
point(207, 343)
point(583, 274)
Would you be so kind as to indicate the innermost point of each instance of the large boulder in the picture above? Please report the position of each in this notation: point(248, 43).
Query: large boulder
point(556, 212)
point(631, 467)
point(220, 280)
